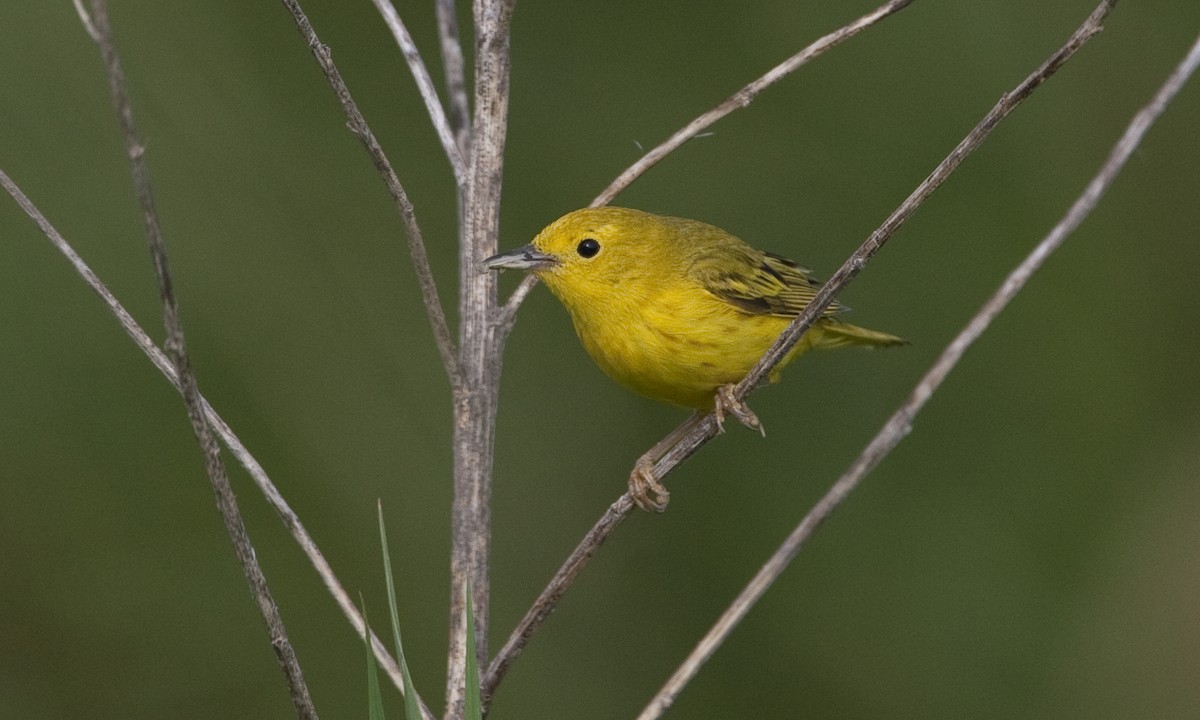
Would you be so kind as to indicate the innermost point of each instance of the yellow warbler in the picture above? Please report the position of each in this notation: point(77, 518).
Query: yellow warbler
point(675, 309)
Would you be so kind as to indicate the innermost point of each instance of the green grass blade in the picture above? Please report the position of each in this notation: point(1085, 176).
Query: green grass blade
point(374, 695)
point(412, 711)
point(474, 704)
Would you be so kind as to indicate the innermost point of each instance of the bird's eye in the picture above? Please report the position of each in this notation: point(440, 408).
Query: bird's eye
point(588, 248)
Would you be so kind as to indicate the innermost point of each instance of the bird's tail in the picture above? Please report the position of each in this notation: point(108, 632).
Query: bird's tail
point(836, 334)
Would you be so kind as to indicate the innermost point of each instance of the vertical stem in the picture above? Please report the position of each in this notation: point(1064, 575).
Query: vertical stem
point(475, 398)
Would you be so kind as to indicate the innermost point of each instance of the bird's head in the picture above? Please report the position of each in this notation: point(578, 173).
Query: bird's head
point(587, 254)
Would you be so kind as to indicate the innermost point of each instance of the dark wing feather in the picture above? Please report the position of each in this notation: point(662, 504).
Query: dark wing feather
point(756, 282)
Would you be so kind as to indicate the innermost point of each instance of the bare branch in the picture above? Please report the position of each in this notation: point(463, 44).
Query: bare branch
point(548, 600)
point(705, 428)
point(900, 423)
point(416, 243)
point(176, 348)
point(743, 97)
point(86, 20)
point(425, 85)
point(452, 63)
point(507, 316)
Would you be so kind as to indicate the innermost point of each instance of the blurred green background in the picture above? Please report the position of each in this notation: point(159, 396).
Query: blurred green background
point(1031, 550)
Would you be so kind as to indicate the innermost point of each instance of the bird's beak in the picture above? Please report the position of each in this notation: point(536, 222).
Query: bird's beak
point(526, 257)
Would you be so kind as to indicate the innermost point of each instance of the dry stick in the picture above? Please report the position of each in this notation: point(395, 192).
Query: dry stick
point(452, 64)
point(706, 428)
point(900, 423)
point(86, 20)
point(142, 339)
point(416, 243)
point(480, 347)
point(739, 99)
point(547, 602)
point(506, 316)
point(420, 73)
point(176, 349)
point(743, 97)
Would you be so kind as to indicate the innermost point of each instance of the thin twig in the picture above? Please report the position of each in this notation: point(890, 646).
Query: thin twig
point(238, 449)
point(706, 428)
point(547, 602)
point(900, 423)
point(86, 20)
point(416, 243)
point(420, 73)
point(743, 97)
point(453, 65)
point(507, 316)
point(176, 348)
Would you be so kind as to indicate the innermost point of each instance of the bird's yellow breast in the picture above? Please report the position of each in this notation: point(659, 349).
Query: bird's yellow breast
point(671, 341)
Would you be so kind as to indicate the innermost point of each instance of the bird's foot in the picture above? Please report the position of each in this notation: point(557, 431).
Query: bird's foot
point(643, 484)
point(725, 402)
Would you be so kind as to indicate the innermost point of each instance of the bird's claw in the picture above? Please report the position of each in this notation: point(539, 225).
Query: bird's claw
point(725, 402)
point(642, 484)
point(644, 487)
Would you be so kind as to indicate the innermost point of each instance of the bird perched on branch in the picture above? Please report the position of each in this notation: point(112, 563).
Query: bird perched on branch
point(675, 309)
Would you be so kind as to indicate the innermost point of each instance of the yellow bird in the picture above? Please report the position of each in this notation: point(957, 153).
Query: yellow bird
point(675, 309)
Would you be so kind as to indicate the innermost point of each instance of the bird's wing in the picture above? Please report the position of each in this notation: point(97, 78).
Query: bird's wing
point(758, 283)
